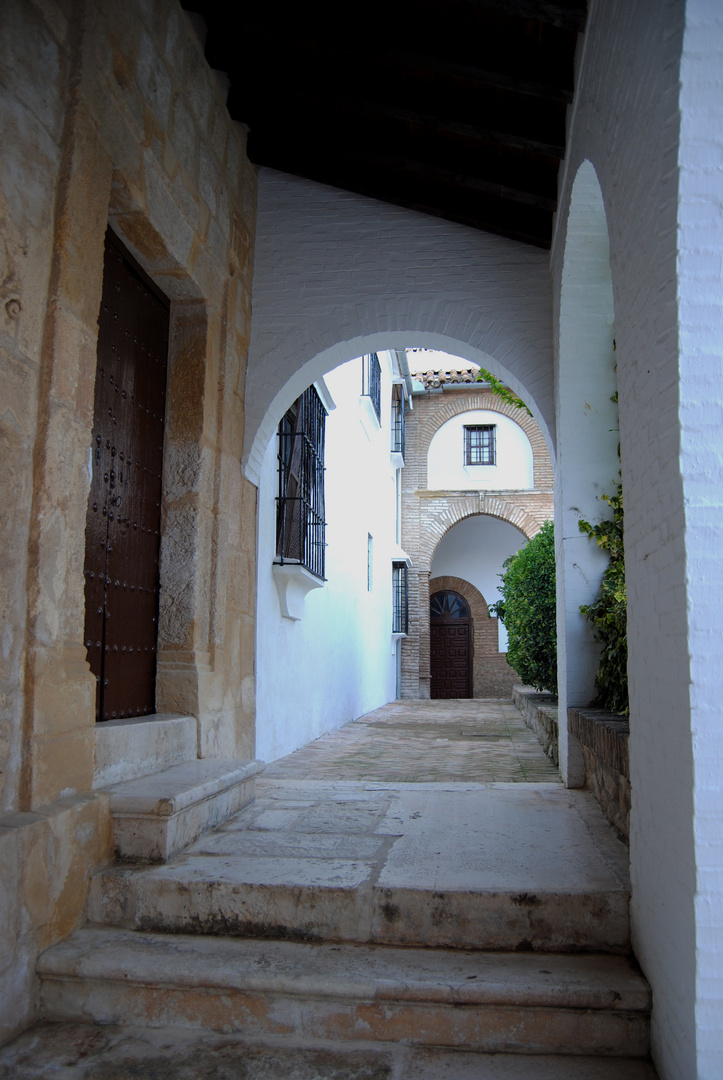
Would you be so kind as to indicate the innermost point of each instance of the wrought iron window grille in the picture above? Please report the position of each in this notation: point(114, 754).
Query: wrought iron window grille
point(400, 599)
point(480, 444)
point(300, 517)
point(372, 382)
point(398, 420)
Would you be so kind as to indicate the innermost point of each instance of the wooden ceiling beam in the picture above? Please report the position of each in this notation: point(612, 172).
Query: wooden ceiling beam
point(434, 122)
point(563, 16)
point(264, 150)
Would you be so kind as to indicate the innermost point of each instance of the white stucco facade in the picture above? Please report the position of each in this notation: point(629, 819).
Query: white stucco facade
point(338, 660)
point(446, 468)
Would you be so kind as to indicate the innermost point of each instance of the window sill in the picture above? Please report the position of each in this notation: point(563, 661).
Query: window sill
point(293, 582)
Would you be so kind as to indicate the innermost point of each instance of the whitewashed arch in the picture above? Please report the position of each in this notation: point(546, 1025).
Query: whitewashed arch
point(587, 462)
point(337, 275)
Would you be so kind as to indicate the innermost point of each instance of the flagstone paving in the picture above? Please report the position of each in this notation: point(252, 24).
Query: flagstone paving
point(417, 741)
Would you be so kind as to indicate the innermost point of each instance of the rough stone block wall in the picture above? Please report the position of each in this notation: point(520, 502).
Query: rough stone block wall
point(112, 116)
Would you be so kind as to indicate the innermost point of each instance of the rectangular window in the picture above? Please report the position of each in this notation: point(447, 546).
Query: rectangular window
point(372, 382)
point(370, 562)
point(398, 420)
point(479, 444)
point(300, 524)
point(400, 599)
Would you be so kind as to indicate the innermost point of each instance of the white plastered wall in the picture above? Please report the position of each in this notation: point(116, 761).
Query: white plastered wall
point(338, 661)
point(337, 275)
point(475, 550)
point(446, 470)
point(625, 122)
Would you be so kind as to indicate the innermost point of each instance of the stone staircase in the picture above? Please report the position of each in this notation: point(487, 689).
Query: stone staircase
point(357, 931)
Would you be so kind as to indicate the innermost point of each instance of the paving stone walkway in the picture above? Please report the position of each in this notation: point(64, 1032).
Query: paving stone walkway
point(416, 741)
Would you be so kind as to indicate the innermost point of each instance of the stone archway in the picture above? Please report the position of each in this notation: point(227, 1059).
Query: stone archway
point(492, 676)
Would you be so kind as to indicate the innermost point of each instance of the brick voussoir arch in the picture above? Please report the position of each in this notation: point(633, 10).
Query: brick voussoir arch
point(471, 402)
point(437, 522)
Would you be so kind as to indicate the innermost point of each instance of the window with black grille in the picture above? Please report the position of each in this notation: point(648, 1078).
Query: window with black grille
point(400, 599)
point(300, 524)
point(480, 444)
point(372, 382)
point(398, 419)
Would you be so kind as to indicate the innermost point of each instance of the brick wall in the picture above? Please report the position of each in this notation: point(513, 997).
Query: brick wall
point(428, 515)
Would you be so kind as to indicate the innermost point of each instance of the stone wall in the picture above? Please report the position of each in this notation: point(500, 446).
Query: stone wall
point(539, 711)
point(111, 117)
point(604, 740)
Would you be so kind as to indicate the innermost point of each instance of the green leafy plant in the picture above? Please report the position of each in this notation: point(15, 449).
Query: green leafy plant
point(527, 609)
point(501, 390)
point(608, 613)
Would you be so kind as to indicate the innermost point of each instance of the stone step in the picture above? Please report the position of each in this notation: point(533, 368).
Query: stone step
point(156, 816)
point(167, 1053)
point(491, 1002)
point(271, 901)
point(480, 866)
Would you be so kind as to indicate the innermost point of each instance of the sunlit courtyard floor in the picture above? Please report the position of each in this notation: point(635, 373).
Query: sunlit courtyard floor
point(416, 741)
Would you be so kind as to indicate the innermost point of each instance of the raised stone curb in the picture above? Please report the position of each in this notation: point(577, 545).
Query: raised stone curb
point(539, 711)
point(603, 738)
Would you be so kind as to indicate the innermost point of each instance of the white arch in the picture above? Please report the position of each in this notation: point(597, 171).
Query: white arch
point(337, 275)
point(587, 441)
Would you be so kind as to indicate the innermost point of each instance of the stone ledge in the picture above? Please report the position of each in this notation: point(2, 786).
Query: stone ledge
point(157, 816)
point(603, 738)
point(128, 749)
point(605, 733)
point(539, 711)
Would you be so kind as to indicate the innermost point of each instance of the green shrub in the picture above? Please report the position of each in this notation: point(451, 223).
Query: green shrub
point(527, 609)
point(608, 613)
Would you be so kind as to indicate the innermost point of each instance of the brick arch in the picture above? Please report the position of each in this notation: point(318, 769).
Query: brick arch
point(457, 403)
point(443, 513)
point(492, 676)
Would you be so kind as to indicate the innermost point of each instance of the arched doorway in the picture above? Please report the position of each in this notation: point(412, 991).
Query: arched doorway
point(450, 631)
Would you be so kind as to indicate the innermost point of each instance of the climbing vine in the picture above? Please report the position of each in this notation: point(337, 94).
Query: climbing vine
point(501, 390)
point(608, 612)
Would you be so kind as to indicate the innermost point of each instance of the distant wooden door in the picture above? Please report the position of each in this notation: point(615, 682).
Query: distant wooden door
point(123, 524)
point(450, 646)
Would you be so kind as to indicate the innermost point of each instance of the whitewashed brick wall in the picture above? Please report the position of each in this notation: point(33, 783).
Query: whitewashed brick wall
point(626, 122)
point(337, 275)
point(700, 327)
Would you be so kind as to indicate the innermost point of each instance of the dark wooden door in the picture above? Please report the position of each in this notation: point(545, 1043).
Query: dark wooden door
point(123, 524)
point(450, 646)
